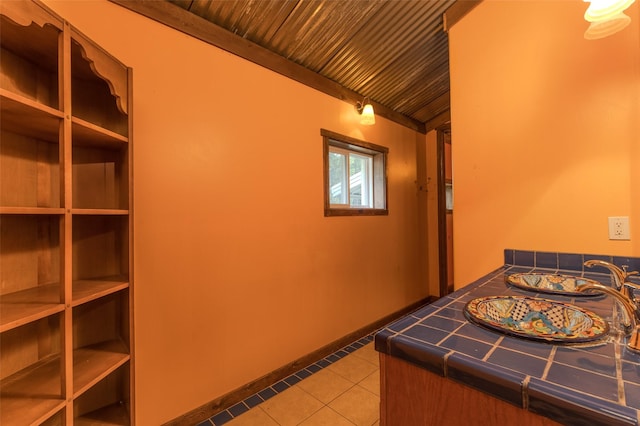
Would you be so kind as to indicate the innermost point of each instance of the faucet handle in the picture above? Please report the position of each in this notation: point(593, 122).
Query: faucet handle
point(628, 273)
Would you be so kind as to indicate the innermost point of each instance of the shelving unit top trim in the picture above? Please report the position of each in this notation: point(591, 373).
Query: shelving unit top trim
point(102, 64)
point(105, 66)
point(41, 30)
point(26, 12)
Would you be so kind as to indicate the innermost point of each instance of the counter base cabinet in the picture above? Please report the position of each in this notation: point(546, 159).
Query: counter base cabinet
point(66, 291)
point(412, 396)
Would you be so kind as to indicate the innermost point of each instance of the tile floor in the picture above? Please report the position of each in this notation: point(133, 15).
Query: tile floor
point(344, 390)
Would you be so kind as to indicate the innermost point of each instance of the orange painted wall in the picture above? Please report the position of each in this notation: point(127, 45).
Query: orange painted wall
point(237, 271)
point(546, 131)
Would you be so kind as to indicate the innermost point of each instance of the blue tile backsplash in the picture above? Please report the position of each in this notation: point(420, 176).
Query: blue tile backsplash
point(596, 383)
point(565, 261)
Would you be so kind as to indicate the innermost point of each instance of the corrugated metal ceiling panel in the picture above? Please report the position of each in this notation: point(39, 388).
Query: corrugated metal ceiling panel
point(394, 52)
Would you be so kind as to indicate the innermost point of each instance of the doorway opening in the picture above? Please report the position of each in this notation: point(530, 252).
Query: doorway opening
point(445, 209)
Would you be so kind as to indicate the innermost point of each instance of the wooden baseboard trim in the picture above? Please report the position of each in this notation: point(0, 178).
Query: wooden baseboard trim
point(228, 400)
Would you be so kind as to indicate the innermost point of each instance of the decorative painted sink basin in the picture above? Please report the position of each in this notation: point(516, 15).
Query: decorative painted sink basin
point(551, 283)
point(536, 318)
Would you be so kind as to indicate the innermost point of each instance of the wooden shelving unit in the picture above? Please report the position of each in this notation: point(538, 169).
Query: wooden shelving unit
point(66, 290)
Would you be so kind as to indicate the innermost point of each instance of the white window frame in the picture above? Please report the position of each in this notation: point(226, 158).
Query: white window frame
point(375, 176)
point(365, 175)
point(344, 187)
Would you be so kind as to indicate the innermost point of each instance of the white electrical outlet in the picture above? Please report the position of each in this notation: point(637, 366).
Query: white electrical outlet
point(619, 228)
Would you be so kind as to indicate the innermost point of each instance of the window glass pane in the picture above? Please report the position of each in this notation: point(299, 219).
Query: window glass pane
point(359, 180)
point(337, 178)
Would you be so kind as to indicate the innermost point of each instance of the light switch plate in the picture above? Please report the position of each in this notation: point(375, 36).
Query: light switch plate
point(619, 228)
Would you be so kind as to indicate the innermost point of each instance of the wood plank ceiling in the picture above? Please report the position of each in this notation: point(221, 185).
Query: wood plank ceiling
point(396, 53)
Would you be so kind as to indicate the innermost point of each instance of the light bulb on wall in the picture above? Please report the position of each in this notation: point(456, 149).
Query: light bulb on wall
point(600, 10)
point(367, 116)
point(606, 17)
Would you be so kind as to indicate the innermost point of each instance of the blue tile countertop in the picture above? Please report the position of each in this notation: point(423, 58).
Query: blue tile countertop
point(595, 383)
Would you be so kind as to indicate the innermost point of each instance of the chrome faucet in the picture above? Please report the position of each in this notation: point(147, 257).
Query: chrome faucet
point(630, 306)
point(620, 275)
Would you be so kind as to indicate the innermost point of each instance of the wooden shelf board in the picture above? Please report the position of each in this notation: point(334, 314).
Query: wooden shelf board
point(100, 212)
point(27, 117)
point(89, 134)
point(31, 210)
point(22, 307)
point(23, 411)
point(87, 290)
point(112, 415)
point(33, 394)
point(93, 363)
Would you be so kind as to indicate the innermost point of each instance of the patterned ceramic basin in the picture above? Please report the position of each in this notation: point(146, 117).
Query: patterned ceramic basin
point(536, 318)
point(551, 283)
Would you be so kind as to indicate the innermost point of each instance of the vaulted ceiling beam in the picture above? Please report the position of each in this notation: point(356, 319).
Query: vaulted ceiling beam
point(180, 19)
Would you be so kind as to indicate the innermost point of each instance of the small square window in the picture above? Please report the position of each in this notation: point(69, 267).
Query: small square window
point(355, 176)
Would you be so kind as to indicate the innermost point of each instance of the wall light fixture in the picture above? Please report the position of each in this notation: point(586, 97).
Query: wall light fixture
point(606, 17)
point(367, 116)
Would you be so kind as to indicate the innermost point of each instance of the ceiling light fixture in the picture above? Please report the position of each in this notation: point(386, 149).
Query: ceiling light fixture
point(606, 17)
point(367, 116)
